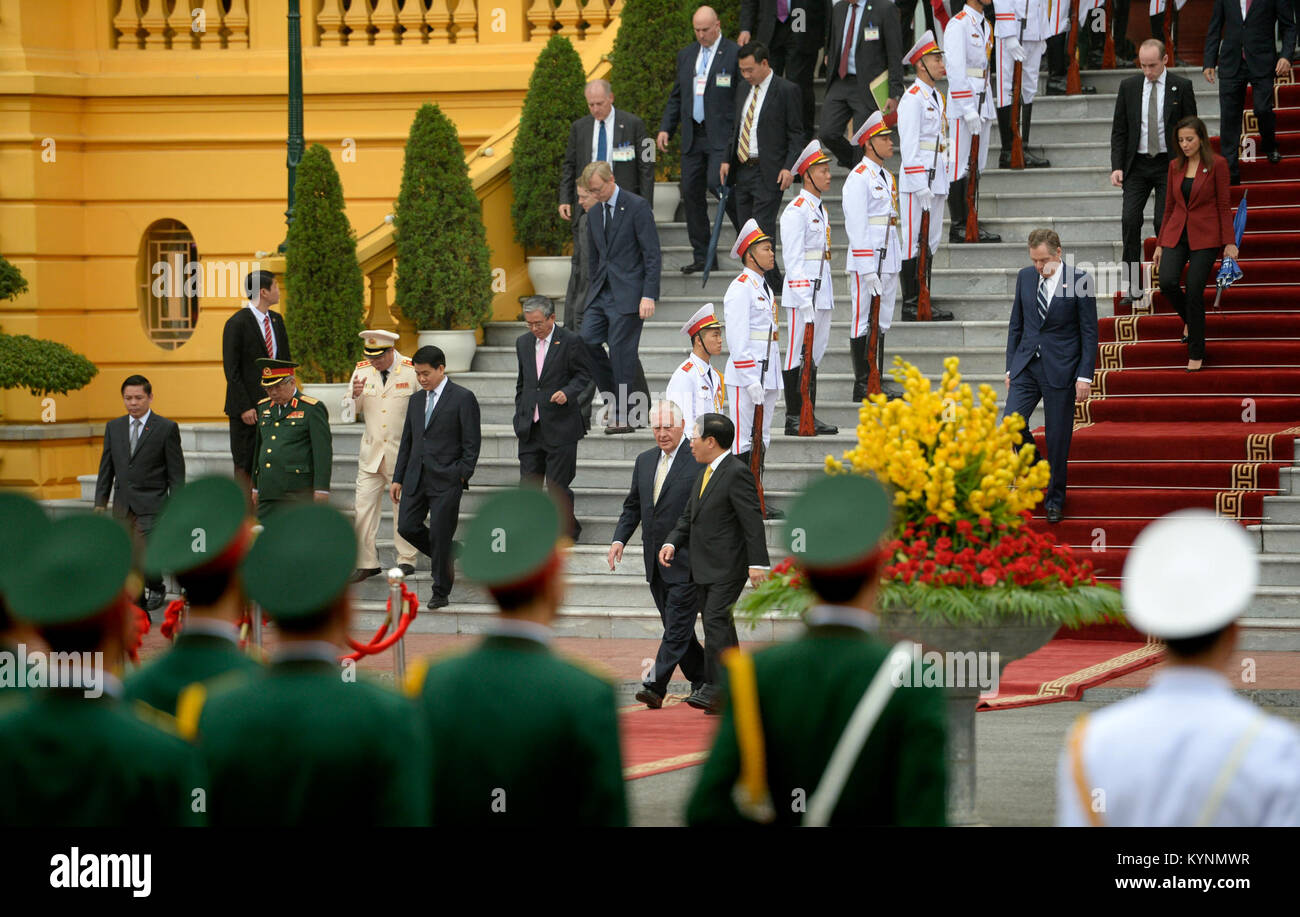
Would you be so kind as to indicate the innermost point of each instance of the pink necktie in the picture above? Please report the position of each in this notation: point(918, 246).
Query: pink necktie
point(266, 327)
point(541, 358)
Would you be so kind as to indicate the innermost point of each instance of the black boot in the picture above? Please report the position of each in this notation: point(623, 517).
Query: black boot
point(858, 356)
point(1032, 160)
point(936, 314)
point(911, 285)
point(887, 385)
point(793, 400)
point(957, 211)
point(1004, 132)
point(819, 428)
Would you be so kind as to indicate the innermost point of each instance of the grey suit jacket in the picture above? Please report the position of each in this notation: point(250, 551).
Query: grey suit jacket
point(142, 482)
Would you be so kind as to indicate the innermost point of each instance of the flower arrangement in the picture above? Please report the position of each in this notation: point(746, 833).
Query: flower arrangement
point(964, 485)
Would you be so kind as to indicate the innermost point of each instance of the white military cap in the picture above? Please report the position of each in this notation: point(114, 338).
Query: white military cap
point(376, 342)
point(704, 317)
point(750, 234)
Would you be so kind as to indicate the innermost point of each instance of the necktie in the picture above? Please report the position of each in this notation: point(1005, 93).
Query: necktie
point(266, 328)
point(601, 148)
point(660, 473)
point(1042, 301)
point(848, 41)
point(742, 153)
point(609, 219)
point(708, 473)
point(541, 359)
point(697, 111)
point(428, 406)
point(383, 377)
point(782, 10)
point(1153, 122)
point(135, 434)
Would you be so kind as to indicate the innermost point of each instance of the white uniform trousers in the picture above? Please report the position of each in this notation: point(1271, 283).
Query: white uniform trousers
point(862, 301)
point(742, 415)
point(1004, 79)
point(794, 345)
point(959, 163)
point(371, 488)
point(911, 228)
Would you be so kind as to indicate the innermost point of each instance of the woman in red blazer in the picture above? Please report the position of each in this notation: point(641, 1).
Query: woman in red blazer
point(1196, 226)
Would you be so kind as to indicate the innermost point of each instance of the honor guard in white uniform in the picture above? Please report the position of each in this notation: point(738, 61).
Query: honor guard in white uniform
point(806, 294)
point(871, 223)
point(967, 44)
point(923, 181)
point(1021, 29)
point(696, 387)
point(752, 330)
point(1188, 750)
point(381, 385)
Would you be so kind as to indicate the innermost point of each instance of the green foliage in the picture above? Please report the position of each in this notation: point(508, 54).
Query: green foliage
point(12, 281)
point(42, 367)
point(326, 298)
point(554, 101)
point(444, 278)
point(644, 66)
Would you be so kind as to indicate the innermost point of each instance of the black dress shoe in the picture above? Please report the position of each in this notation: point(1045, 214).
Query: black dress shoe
point(1004, 159)
point(617, 429)
point(650, 697)
point(153, 600)
point(437, 601)
point(363, 573)
point(1034, 161)
point(702, 697)
point(1054, 514)
point(824, 429)
point(774, 513)
point(1275, 157)
point(940, 315)
point(986, 236)
point(957, 235)
point(694, 268)
point(407, 569)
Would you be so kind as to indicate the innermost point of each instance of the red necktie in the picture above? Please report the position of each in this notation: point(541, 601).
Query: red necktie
point(266, 325)
point(848, 41)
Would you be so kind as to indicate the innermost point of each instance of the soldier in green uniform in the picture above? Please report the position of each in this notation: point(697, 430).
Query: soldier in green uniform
point(294, 452)
point(519, 735)
point(201, 537)
point(306, 742)
point(74, 754)
point(790, 704)
point(21, 522)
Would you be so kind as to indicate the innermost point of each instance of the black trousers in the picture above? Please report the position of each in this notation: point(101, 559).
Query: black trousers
point(791, 59)
point(1148, 174)
point(243, 442)
point(1027, 389)
point(678, 605)
point(554, 465)
point(844, 100)
point(615, 372)
point(1232, 99)
point(1188, 301)
point(428, 521)
point(701, 165)
point(140, 527)
point(757, 199)
point(716, 600)
point(906, 13)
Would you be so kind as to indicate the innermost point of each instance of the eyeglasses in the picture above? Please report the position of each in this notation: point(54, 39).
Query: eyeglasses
point(541, 324)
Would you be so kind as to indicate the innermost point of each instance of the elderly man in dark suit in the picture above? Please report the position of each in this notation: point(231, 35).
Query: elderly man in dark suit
point(1240, 43)
point(141, 466)
point(253, 332)
point(703, 101)
point(766, 141)
point(661, 485)
point(794, 32)
point(440, 447)
point(864, 40)
point(722, 527)
point(614, 136)
point(1148, 106)
point(623, 251)
point(1051, 352)
point(554, 370)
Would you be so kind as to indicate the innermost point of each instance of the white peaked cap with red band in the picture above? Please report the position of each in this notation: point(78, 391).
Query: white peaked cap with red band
point(811, 155)
point(926, 45)
point(749, 234)
point(704, 317)
point(874, 125)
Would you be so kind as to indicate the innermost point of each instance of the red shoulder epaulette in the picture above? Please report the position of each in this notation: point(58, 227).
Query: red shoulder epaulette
point(740, 279)
point(862, 167)
point(363, 363)
point(915, 89)
point(961, 15)
point(798, 202)
point(686, 365)
point(407, 361)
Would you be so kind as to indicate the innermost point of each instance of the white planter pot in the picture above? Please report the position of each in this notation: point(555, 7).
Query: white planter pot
point(331, 395)
point(550, 275)
point(667, 196)
point(457, 346)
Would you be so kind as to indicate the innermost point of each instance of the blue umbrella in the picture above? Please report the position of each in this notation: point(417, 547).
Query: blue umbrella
point(1229, 271)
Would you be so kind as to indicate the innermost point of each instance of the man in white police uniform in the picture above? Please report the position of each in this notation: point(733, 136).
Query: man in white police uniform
point(696, 387)
point(1187, 751)
point(967, 43)
point(1021, 29)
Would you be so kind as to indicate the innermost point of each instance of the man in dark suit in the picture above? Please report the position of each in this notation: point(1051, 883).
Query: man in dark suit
point(864, 40)
point(722, 527)
point(1240, 42)
point(624, 257)
point(1051, 352)
point(766, 141)
point(661, 485)
point(554, 370)
point(143, 458)
point(707, 114)
point(616, 137)
point(1155, 100)
point(794, 32)
point(440, 446)
point(251, 333)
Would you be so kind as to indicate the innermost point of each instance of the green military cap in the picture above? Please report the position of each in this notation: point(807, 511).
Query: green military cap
point(22, 522)
point(203, 524)
point(72, 572)
point(512, 539)
point(837, 522)
point(301, 562)
point(275, 371)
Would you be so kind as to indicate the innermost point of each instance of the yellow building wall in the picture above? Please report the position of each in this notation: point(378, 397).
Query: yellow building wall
point(100, 139)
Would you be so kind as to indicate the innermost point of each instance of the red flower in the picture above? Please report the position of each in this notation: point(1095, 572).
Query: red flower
point(943, 557)
point(964, 527)
point(784, 566)
point(942, 544)
point(931, 520)
point(986, 522)
point(928, 566)
point(988, 578)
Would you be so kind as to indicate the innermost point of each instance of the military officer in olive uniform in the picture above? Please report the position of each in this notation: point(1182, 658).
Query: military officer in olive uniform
point(519, 735)
point(898, 777)
point(294, 452)
point(77, 755)
point(24, 522)
point(695, 386)
point(382, 385)
point(200, 538)
point(306, 742)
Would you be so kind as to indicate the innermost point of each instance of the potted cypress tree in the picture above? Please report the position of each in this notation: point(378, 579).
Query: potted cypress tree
point(444, 278)
point(326, 299)
point(554, 101)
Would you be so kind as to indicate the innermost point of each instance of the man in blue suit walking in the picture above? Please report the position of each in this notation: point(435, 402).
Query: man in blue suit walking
point(1051, 352)
point(623, 252)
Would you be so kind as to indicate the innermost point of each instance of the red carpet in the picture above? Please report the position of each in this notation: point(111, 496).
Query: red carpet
point(1065, 667)
point(657, 741)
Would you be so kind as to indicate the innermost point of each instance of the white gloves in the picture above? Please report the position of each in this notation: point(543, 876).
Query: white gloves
point(873, 285)
point(755, 392)
point(1015, 49)
point(925, 197)
point(973, 123)
point(805, 314)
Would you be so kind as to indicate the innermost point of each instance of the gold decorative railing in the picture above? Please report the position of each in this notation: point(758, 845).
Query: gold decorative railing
point(171, 25)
